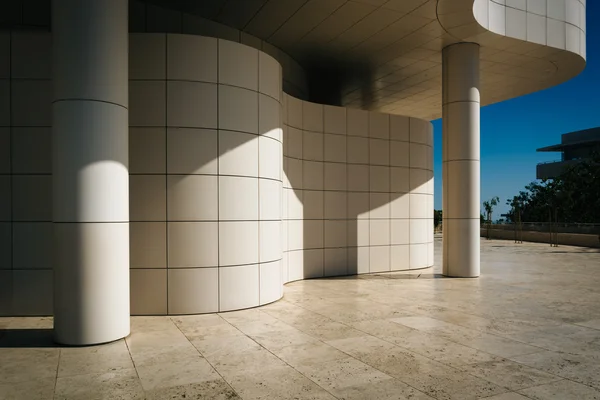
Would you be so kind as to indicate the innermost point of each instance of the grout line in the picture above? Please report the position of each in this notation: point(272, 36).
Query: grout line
point(218, 184)
point(166, 130)
point(259, 258)
point(57, 369)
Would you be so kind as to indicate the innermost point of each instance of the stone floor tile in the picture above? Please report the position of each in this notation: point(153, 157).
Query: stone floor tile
point(210, 390)
point(215, 347)
point(26, 364)
point(94, 359)
point(337, 375)
point(39, 389)
point(149, 324)
point(509, 374)
point(309, 354)
point(278, 339)
point(561, 390)
point(176, 372)
point(123, 384)
point(279, 383)
point(232, 363)
point(391, 389)
point(507, 396)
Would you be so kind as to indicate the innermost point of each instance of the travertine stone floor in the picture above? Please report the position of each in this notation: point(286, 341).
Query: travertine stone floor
point(528, 328)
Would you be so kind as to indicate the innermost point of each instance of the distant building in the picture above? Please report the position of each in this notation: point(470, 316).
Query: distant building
point(574, 146)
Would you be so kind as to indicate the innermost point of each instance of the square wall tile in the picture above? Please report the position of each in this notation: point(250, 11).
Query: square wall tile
point(192, 198)
point(419, 230)
point(419, 131)
point(148, 291)
point(399, 154)
point(312, 175)
point(536, 7)
point(379, 151)
point(148, 245)
point(193, 244)
point(269, 121)
point(193, 291)
point(400, 205)
point(358, 122)
point(147, 103)
point(294, 146)
point(497, 18)
point(312, 146)
point(335, 205)
point(335, 119)
point(270, 158)
point(238, 198)
point(271, 282)
point(419, 155)
point(400, 258)
point(536, 29)
point(358, 178)
point(295, 173)
point(270, 199)
point(238, 243)
point(294, 111)
point(270, 241)
point(31, 55)
point(5, 55)
point(5, 198)
point(5, 150)
point(193, 105)
point(147, 198)
point(31, 102)
point(238, 153)
point(239, 287)
point(295, 205)
point(269, 80)
point(335, 262)
point(31, 150)
point(335, 148)
point(313, 204)
point(192, 151)
point(313, 234)
point(32, 292)
point(147, 153)
point(399, 128)
point(238, 109)
point(6, 293)
point(556, 9)
point(379, 125)
point(31, 198)
point(238, 65)
point(358, 260)
point(379, 232)
point(336, 233)
point(516, 23)
point(4, 102)
point(379, 205)
point(192, 58)
point(379, 179)
point(358, 150)
point(418, 256)
point(32, 245)
point(147, 56)
point(295, 265)
point(5, 245)
point(400, 179)
point(358, 205)
point(295, 235)
point(379, 259)
point(335, 176)
point(400, 231)
point(358, 233)
point(419, 206)
point(557, 33)
point(312, 117)
point(419, 181)
point(313, 263)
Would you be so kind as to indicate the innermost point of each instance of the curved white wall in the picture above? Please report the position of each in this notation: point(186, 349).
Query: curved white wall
point(556, 23)
point(219, 218)
point(358, 191)
point(205, 175)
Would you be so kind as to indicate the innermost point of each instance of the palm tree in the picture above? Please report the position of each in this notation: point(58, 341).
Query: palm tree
point(489, 208)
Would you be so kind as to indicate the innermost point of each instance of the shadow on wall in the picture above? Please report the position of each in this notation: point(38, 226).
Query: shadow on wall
point(358, 187)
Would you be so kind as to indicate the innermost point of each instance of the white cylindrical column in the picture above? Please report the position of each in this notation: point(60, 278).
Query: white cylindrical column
point(90, 171)
point(461, 160)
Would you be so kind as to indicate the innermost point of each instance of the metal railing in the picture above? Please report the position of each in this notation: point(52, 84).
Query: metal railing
point(560, 227)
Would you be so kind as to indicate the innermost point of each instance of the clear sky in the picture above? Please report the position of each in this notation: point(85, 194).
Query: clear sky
point(511, 131)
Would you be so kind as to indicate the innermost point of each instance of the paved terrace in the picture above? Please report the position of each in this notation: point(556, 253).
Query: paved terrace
point(528, 328)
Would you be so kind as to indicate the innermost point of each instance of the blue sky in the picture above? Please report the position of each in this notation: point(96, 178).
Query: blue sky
point(511, 131)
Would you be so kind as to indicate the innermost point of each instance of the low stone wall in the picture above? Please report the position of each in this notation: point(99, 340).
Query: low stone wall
point(567, 239)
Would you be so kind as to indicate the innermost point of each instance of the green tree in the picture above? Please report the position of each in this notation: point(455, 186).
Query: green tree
point(488, 206)
point(437, 218)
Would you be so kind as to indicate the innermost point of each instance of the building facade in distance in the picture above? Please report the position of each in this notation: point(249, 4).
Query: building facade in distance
point(574, 147)
point(182, 157)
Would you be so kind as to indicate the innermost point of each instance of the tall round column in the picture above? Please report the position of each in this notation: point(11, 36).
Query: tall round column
point(90, 171)
point(461, 160)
